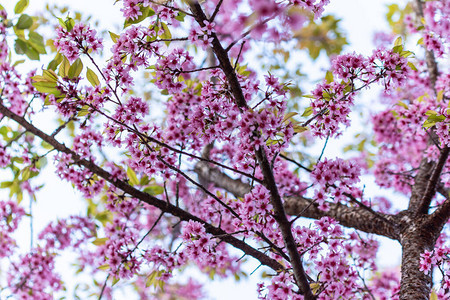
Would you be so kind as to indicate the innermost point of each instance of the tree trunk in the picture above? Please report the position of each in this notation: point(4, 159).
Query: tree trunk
point(415, 239)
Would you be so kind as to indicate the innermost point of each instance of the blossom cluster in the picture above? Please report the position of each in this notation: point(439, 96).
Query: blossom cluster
point(10, 217)
point(33, 275)
point(435, 26)
point(438, 257)
point(205, 251)
point(336, 178)
point(83, 179)
point(337, 274)
point(333, 100)
point(80, 39)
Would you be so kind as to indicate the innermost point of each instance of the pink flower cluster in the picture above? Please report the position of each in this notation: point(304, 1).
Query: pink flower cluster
point(5, 158)
point(336, 178)
point(80, 39)
point(34, 277)
point(168, 68)
point(256, 212)
point(83, 179)
point(131, 8)
point(3, 44)
point(333, 100)
point(385, 285)
point(337, 262)
point(70, 232)
point(83, 142)
point(10, 216)
point(12, 86)
point(437, 27)
point(438, 257)
point(205, 251)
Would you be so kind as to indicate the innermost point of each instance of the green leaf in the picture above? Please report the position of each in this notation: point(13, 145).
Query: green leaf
point(75, 69)
point(20, 61)
point(24, 22)
point(397, 49)
point(62, 23)
point(69, 24)
point(100, 241)
point(412, 66)
point(154, 190)
point(104, 267)
point(436, 118)
point(166, 32)
point(55, 62)
point(132, 176)
point(92, 77)
point(50, 75)
point(298, 129)
point(104, 217)
point(37, 42)
point(26, 173)
point(308, 111)
point(64, 67)
point(289, 115)
point(83, 111)
point(115, 280)
point(5, 184)
point(46, 87)
point(20, 6)
point(180, 16)
point(398, 41)
point(402, 104)
point(440, 96)
point(113, 36)
point(20, 46)
point(32, 53)
point(329, 77)
point(406, 53)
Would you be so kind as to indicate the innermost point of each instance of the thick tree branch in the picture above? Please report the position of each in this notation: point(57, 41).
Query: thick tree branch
point(264, 164)
point(419, 230)
point(433, 182)
point(352, 217)
point(429, 55)
point(142, 196)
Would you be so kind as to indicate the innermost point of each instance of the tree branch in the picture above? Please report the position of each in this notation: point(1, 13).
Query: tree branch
point(433, 182)
point(142, 196)
point(353, 217)
point(280, 216)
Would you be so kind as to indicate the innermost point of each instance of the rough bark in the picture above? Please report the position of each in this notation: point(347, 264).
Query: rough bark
point(416, 237)
point(348, 216)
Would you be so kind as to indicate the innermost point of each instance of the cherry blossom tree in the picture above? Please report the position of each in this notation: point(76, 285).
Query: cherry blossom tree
point(230, 171)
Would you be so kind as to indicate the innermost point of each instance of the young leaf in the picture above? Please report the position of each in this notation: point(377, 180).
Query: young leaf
point(64, 67)
point(132, 176)
point(308, 111)
point(113, 36)
point(92, 77)
point(75, 69)
point(20, 6)
point(100, 241)
point(46, 87)
point(24, 22)
point(37, 42)
point(104, 267)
